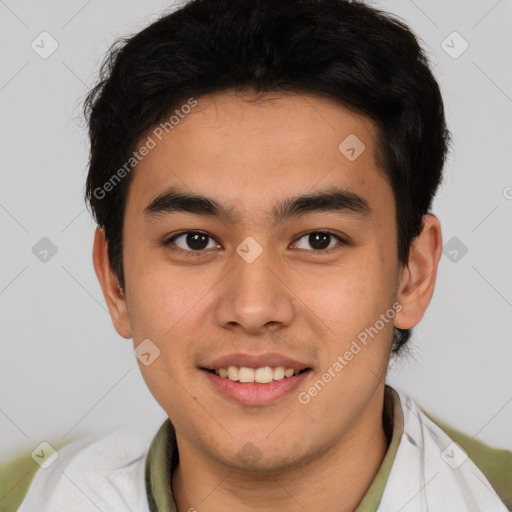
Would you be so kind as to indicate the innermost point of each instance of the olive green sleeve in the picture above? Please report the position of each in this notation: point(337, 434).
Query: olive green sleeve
point(16, 475)
point(15, 478)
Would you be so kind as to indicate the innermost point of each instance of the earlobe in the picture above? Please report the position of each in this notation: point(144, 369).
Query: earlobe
point(112, 292)
point(418, 278)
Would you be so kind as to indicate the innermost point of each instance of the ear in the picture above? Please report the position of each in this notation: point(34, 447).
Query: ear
point(114, 297)
point(418, 278)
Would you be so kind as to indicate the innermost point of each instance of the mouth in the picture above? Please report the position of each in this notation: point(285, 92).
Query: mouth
point(261, 375)
point(255, 380)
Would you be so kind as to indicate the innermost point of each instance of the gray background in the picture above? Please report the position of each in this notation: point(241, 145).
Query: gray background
point(64, 369)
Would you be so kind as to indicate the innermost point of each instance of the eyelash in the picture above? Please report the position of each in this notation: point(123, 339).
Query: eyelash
point(169, 243)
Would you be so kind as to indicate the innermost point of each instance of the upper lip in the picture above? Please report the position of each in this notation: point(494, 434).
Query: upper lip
point(239, 359)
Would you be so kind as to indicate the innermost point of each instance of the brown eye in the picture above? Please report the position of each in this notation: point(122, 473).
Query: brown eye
point(193, 241)
point(318, 240)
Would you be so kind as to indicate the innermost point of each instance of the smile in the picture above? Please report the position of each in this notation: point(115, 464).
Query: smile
point(262, 375)
point(247, 390)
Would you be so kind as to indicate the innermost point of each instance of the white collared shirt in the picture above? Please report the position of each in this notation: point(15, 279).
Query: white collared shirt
point(429, 473)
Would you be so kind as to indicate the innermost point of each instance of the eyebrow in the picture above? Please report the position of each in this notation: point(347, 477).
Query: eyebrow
point(330, 200)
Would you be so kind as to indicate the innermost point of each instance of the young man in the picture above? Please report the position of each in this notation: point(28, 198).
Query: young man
point(262, 174)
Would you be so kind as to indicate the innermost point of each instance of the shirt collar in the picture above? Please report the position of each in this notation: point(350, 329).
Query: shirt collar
point(393, 420)
point(163, 458)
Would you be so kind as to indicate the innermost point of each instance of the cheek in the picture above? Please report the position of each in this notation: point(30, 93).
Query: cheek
point(347, 296)
point(160, 296)
point(170, 388)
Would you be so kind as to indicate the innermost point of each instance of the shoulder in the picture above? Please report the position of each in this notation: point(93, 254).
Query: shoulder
point(18, 472)
point(464, 473)
point(494, 463)
point(98, 470)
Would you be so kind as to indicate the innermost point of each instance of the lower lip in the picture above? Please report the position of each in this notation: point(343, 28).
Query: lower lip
point(256, 394)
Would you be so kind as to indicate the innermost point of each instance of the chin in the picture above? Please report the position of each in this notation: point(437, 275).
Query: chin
point(256, 460)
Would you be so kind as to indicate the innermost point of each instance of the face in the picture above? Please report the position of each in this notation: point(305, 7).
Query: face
point(249, 276)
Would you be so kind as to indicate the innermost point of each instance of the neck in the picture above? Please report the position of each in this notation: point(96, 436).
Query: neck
point(336, 480)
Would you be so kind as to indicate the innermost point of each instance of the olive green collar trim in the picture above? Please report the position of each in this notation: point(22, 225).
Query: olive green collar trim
point(394, 415)
point(163, 458)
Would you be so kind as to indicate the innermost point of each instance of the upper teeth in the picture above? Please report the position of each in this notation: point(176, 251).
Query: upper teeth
point(261, 375)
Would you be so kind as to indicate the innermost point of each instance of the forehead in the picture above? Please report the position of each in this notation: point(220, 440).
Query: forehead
point(250, 150)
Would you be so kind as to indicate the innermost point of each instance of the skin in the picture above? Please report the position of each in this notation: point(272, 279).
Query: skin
point(249, 155)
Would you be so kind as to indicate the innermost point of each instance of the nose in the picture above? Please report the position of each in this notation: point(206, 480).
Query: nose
point(255, 296)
